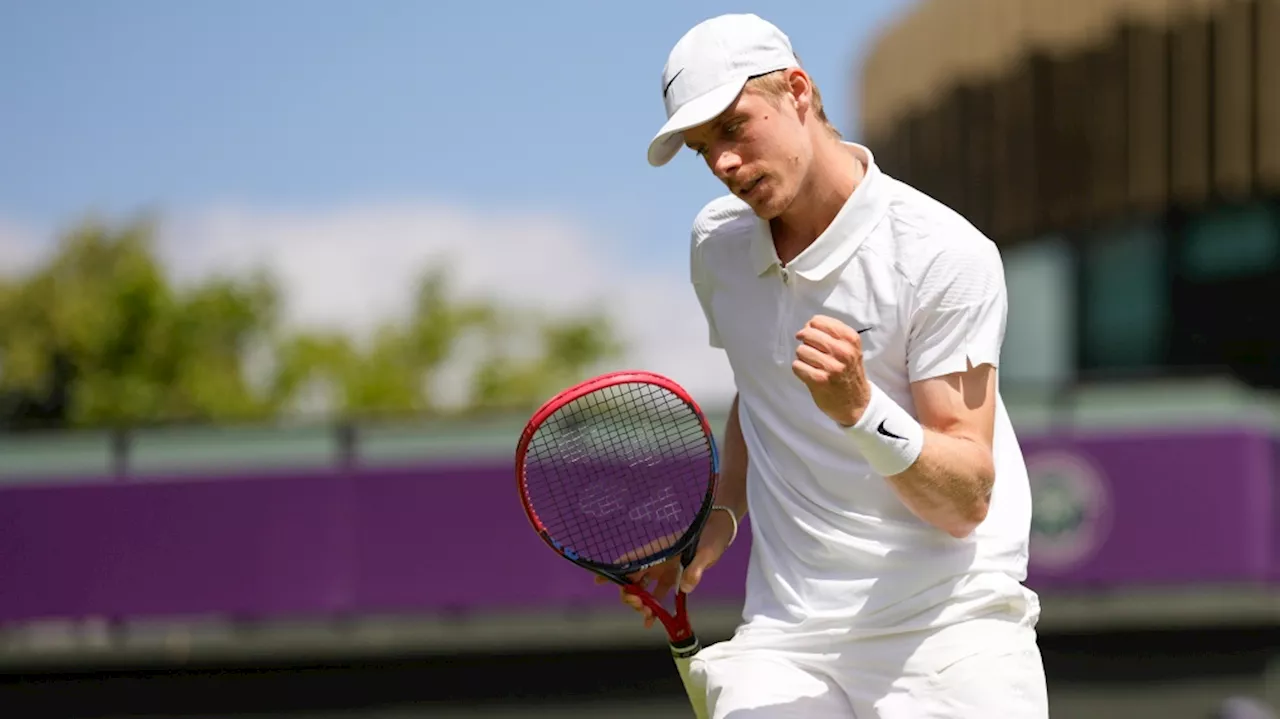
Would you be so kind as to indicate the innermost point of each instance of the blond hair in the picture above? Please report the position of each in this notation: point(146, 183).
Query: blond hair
point(774, 85)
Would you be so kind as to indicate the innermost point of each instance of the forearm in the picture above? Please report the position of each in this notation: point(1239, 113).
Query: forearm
point(942, 470)
point(949, 485)
point(732, 489)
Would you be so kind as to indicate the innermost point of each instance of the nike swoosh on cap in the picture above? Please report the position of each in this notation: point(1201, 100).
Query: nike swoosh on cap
point(673, 79)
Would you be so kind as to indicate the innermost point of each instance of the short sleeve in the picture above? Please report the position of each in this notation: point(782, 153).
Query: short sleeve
point(702, 286)
point(959, 316)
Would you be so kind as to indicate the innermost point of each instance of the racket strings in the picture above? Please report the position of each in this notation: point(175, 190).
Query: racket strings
point(620, 438)
point(619, 474)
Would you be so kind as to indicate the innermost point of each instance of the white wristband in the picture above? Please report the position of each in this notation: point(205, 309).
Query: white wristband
point(733, 518)
point(890, 439)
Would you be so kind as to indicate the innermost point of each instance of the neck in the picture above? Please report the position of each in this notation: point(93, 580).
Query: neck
point(832, 179)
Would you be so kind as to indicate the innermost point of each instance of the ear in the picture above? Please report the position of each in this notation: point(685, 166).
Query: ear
point(801, 90)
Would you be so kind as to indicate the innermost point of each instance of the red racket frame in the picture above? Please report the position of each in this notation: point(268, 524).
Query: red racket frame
point(679, 630)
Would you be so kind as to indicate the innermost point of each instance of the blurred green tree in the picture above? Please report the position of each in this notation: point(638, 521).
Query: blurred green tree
point(570, 349)
point(402, 366)
point(100, 335)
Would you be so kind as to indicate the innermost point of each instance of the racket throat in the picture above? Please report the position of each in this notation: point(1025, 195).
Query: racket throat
point(685, 647)
point(677, 625)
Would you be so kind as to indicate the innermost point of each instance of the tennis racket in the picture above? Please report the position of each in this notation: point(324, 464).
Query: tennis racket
point(618, 474)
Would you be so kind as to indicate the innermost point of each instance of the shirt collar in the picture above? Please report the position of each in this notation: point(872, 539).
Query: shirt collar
point(836, 244)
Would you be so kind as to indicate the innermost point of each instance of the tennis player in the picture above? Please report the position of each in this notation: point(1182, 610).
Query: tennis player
point(863, 322)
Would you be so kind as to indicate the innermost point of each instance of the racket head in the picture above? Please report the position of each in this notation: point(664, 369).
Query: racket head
point(618, 473)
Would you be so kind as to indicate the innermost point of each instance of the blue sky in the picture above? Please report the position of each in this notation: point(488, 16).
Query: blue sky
point(512, 109)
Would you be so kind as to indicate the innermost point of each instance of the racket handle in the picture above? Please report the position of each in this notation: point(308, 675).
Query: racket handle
point(683, 654)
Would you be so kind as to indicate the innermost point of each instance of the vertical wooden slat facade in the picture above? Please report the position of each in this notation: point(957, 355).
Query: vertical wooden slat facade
point(1191, 111)
point(1147, 121)
point(1014, 158)
point(1232, 105)
point(1032, 116)
point(1266, 89)
point(1108, 129)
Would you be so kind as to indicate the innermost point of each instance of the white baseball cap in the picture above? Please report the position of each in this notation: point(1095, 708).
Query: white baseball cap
point(707, 70)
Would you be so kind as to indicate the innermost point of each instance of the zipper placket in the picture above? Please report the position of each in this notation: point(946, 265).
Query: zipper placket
point(782, 350)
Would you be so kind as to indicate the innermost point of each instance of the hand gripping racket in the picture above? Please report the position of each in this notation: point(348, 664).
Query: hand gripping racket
point(618, 474)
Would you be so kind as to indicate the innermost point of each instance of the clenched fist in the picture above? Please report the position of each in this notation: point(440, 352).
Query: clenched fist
point(829, 362)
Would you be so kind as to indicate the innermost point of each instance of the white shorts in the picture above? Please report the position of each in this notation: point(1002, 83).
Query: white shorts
point(988, 667)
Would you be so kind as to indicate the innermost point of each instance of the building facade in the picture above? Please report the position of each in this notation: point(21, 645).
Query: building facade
point(1125, 155)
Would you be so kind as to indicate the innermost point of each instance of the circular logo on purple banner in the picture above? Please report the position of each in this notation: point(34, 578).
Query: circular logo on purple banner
point(1070, 507)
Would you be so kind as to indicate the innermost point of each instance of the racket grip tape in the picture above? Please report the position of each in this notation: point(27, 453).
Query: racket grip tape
point(683, 653)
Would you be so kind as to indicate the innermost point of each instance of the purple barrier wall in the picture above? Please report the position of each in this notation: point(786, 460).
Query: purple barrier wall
point(457, 538)
point(434, 538)
point(1172, 508)
point(261, 546)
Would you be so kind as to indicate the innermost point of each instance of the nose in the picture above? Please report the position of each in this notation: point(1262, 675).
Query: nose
point(725, 163)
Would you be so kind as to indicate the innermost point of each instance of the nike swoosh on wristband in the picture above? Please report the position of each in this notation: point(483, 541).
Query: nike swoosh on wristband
point(886, 432)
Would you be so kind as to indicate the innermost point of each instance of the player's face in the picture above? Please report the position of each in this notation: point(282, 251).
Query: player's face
point(759, 149)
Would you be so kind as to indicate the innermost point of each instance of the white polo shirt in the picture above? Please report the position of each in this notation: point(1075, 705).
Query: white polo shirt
point(833, 547)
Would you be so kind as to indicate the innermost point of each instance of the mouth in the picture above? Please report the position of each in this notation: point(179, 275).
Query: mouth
point(748, 188)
